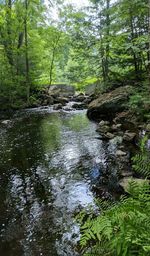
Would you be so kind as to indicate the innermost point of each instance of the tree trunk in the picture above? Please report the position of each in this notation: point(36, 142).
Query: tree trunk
point(8, 43)
point(132, 40)
point(52, 61)
point(51, 69)
point(107, 39)
point(26, 52)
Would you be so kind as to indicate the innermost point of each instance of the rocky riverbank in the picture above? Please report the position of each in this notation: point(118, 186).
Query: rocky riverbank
point(115, 122)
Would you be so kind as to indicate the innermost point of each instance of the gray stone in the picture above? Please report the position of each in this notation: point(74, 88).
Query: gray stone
point(102, 123)
point(116, 127)
point(120, 153)
point(117, 140)
point(109, 135)
point(6, 122)
point(108, 104)
point(103, 129)
point(129, 136)
point(62, 100)
point(57, 106)
point(126, 174)
point(61, 90)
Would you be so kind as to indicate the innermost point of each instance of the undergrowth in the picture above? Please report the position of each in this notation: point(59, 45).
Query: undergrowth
point(122, 229)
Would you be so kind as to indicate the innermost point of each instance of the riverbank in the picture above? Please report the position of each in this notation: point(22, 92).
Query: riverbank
point(116, 121)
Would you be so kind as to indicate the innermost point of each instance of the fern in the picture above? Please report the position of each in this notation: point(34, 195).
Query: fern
point(124, 228)
point(141, 162)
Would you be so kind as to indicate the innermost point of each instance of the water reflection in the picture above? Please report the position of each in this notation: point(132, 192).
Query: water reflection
point(46, 161)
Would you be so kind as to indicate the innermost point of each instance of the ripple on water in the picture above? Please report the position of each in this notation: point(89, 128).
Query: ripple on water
point(47, 164)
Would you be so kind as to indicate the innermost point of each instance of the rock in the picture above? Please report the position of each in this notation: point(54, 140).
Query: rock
point(103, 129)
point(62, 100)
point(91, 89)
point(148, 127)
point(78, 106)
point(50, 100)
point(109, 135)
point(57, 106)
point(79, 98)
point(117, 140)
point(129, 136)
point(108, 104)
point(87, 100)
point(126, 174)
point(6, 122)
point(60, 90)
point(127, 119)
point(102, 123)
point(121, 147)
point(124, 183)
point(116, 127)
point(120, 153)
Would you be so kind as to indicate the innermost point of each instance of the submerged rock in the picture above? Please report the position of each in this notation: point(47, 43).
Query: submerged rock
point(108, 104)
point(57, 106)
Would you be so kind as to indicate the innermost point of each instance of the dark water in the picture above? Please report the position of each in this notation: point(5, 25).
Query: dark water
point(48, 161)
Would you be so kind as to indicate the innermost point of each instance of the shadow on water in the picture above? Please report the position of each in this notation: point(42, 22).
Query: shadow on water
point(48, 161)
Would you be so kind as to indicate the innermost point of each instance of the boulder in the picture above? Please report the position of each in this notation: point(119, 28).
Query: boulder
point(57, 106)
point(108, 104)
point(62, 100)
point(129, 136)
point(61, 90)
point(90, 89)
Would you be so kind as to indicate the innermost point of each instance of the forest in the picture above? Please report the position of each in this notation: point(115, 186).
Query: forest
point(75, 127)
point(43, 43)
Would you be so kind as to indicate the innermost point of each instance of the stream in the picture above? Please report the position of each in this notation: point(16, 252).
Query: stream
point(49, 161)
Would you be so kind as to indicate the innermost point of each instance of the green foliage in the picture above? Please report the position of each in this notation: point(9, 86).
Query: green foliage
point(141, 162)
point(106, 42)
point(140, 101)
point(122, 229)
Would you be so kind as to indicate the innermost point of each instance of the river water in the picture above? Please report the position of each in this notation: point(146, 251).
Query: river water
point(49, 161)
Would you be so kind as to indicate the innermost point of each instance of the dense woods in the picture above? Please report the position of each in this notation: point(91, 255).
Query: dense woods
point(105, 43)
